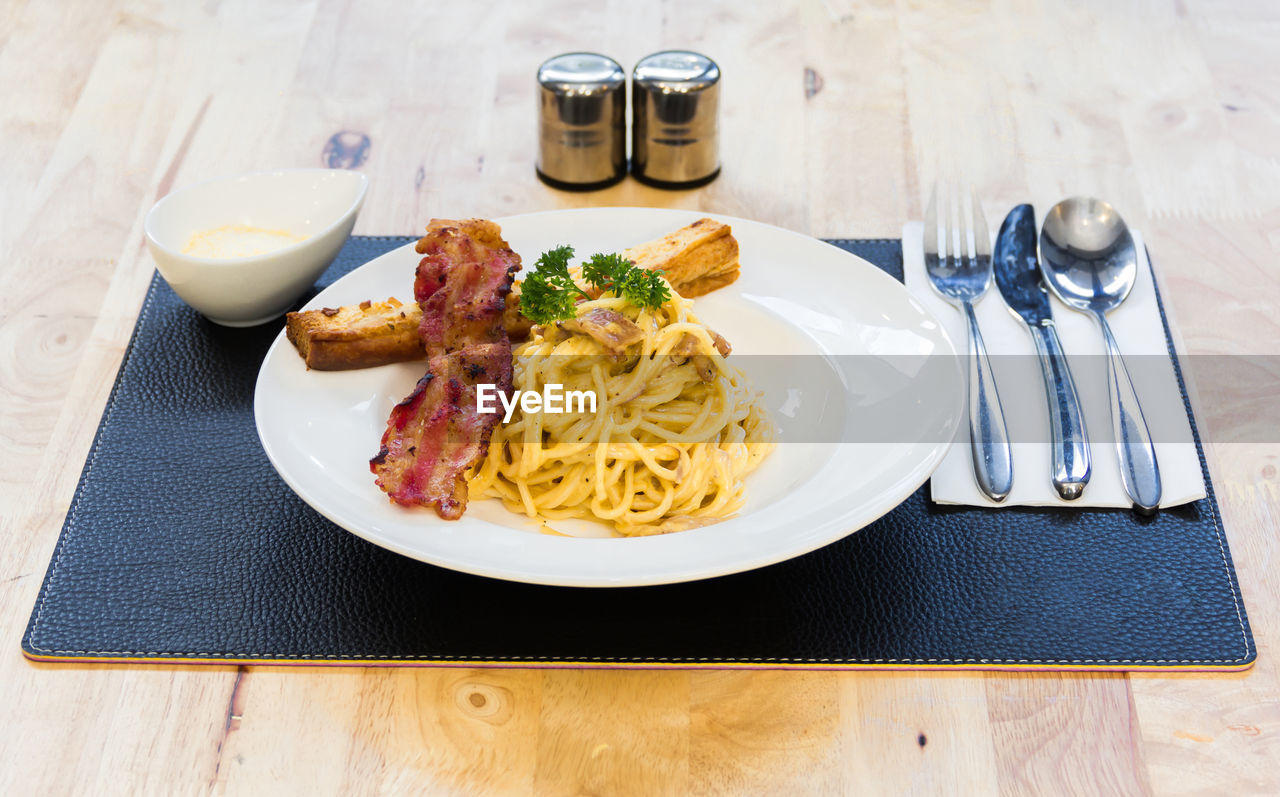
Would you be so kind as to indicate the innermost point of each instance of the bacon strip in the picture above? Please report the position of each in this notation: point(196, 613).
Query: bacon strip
point(462, 284)
point(435, 435)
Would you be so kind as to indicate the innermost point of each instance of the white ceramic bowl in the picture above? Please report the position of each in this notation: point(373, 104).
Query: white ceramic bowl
point(317, 205)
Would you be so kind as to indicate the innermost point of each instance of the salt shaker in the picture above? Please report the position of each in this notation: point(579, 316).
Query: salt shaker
point(675, 109)
point(582, 139)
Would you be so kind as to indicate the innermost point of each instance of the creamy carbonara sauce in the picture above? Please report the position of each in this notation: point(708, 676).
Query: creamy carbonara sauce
point(668, 449)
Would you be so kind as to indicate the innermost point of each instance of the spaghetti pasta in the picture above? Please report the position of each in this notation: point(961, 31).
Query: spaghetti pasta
point(675, 431)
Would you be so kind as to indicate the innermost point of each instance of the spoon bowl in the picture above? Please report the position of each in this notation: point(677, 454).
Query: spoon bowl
point(1091, 263)
point(1090, 259)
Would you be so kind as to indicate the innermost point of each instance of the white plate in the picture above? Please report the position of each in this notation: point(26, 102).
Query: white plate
point(796, 295)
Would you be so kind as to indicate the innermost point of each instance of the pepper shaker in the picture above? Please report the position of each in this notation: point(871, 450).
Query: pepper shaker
point(675, 111)
point(582, 141)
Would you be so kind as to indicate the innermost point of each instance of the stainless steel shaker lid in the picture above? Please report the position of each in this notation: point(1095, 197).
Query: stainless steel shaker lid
point(676, 70)
point(675, 119)
point(585, 73)
point(581, 121)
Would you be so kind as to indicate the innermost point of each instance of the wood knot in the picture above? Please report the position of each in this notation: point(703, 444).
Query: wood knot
point(483, 701)
point(812, 82)
point(346, 149)
point(1173, 115)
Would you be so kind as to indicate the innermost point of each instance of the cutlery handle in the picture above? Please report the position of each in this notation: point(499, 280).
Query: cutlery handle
point(1071, 461)
point(1138, 467)
point(992, 457)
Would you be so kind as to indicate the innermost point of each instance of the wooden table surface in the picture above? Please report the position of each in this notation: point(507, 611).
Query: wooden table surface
point(837, 116)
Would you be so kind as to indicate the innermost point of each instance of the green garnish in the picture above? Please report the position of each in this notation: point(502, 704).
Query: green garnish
point(642, 288)
point(600, 270)
point(550, 294)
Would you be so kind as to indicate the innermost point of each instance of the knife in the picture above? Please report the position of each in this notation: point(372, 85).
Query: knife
point(1016, 265)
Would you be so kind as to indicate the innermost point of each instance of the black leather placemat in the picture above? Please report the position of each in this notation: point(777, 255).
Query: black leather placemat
point(182, 543)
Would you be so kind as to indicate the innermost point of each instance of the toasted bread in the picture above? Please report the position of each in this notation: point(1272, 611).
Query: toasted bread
point(368, 334)
point(356, 336)
point(705, 285)
point(696, 259)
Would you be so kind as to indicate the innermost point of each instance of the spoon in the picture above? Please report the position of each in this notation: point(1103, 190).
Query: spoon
point(1091, 263)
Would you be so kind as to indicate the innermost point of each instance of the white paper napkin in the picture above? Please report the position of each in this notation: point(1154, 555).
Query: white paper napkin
point(1138, 329)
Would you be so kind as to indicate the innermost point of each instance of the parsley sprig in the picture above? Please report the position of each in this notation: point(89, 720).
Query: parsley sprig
point(550, 294)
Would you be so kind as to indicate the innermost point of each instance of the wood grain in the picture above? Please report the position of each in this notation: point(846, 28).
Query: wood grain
point(837, 117)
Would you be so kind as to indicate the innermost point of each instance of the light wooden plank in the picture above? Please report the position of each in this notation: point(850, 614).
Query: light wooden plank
point(917, 733)
point(772, 732)
point(1066, 734)
point(613, 733)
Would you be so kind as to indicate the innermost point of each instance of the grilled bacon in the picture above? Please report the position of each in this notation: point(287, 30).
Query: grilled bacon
point(462, 284)
point(435, 435)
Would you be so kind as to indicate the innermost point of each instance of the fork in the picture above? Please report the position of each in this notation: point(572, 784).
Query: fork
point(961, 272)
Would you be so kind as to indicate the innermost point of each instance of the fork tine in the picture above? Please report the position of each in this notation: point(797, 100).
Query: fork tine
point(981, 230)
point(967, 226)
point(955, 217)
point(932, 232)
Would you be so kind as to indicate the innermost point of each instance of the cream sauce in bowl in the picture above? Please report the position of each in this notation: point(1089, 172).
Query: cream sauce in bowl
point(238, 240)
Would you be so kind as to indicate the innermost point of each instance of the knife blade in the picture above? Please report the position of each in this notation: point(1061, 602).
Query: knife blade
point(1016, 266)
